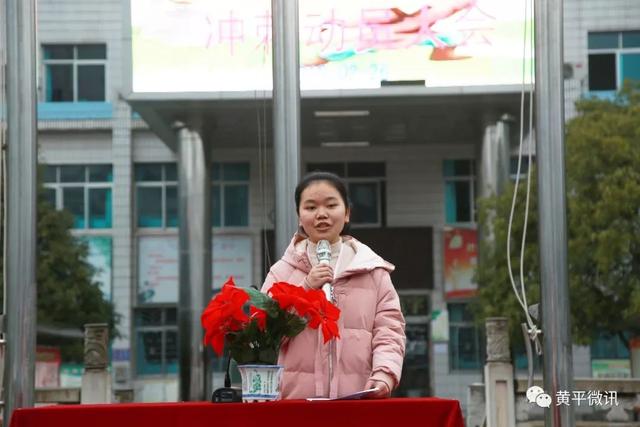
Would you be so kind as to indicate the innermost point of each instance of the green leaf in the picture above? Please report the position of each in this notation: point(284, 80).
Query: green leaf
point(603, 221)
point(262, 301)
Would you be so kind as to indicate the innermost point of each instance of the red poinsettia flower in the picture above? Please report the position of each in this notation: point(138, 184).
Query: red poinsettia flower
point(324, 314)
point(260, 316)
point(224, 314)
point(291, 296)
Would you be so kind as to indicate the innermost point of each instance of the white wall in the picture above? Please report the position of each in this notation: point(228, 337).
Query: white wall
point(74, 147)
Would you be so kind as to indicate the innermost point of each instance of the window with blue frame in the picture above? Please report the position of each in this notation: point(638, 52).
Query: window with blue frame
point(230, 194)
point(520, 359)
point(156, 195)
point(614, 56)
point(84, 191)
point(74, 72)
point(459, 191)
point(609, 346)
point(466, 343)
point(156, 341)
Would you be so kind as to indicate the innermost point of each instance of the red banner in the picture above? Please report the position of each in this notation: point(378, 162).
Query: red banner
point(460, 262)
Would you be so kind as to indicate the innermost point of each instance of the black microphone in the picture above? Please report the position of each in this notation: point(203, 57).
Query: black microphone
point(227, 394)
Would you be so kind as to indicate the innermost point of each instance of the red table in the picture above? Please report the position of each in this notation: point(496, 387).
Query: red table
point(298, 413)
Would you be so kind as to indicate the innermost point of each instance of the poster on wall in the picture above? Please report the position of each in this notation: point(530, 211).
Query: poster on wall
point(48, 362)
point(232, 256)
point(440, 325)
point(208, 46)
point(611, 368)
point(460, 262)
point(100, 257)
point(158, 271)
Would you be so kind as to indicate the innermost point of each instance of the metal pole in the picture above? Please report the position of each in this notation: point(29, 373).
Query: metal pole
point(20, 296)
point(286, 116)
point(558, 368)
point(194, 192)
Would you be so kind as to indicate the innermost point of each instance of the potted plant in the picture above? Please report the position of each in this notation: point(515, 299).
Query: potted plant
point(253, 338)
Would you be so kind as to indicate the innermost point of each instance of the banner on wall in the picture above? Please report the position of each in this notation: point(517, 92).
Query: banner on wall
point(158, 273)
point(460, 262)
point(48, 361)
point(232, 256)
point(611, 368)
point(440, 325)
point(158, 269)
point(100, 257)
point(208, 45)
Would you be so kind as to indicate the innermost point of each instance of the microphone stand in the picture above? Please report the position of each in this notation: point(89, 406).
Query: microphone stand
point(227, 394)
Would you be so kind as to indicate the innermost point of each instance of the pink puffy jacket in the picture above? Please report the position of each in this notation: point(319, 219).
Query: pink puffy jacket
point(372, 339)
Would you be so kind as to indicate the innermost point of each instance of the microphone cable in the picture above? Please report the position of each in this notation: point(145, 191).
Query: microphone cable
point(532, 330)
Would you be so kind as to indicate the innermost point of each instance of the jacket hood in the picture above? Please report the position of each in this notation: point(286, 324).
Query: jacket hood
point(365, 258)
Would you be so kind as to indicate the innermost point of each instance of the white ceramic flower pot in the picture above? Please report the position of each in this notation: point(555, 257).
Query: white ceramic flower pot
point(260, 382)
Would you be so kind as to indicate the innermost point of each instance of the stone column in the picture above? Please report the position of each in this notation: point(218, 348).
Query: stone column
point(96, 381)
point(498, 374)
point(194, 190)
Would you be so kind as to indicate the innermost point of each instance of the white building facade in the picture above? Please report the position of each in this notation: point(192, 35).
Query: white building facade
point(417, 177)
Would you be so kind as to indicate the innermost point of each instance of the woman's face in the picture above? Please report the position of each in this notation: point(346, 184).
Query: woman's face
point(322, 212)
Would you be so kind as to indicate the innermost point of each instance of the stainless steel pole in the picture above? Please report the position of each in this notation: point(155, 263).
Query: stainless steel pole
point(194, 192)
point(556, 322)
point(286, 116)
point(20, 297)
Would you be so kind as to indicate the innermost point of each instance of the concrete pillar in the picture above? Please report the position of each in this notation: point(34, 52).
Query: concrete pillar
point(122, 236)
point(475, 405)
point(503, 150)
point(493, 170)
point(487, 169)
point(96, 380)
point(194, 193)
point(498, 374)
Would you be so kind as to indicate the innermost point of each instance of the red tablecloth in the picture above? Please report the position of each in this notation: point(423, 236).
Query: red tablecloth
point(297, 413)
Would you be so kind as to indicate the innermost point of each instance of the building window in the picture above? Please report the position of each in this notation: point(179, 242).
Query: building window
point(524, 167)
point(156, 195)
point(608, 346)
point(74, 73)
point(230, 195)
point(520, 359)
point(465, 339)
point(614, 56)
point(366, 185)
point(156, 341)
point(85, 191)
point(459, 191)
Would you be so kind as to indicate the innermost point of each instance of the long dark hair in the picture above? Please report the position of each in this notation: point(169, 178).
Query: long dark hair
point(330, 178)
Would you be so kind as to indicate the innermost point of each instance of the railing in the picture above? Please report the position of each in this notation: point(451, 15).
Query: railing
point(96, 380)
point(618, 405)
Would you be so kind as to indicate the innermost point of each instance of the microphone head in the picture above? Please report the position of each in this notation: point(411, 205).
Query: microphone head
point(323, 251)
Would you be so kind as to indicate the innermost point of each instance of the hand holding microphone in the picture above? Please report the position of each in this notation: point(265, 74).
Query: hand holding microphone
point(318, 276)
point(322, 273)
